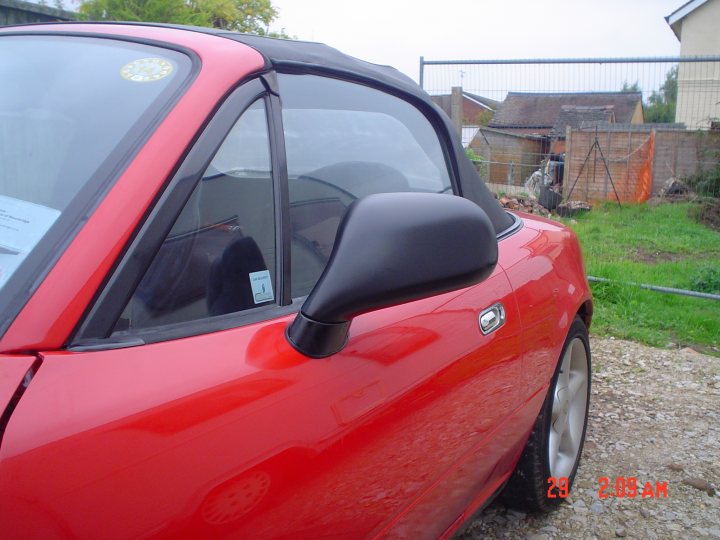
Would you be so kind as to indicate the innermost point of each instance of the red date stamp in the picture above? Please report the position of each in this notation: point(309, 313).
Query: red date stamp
point(629, 488)
point(558, 488)
point(622, 487)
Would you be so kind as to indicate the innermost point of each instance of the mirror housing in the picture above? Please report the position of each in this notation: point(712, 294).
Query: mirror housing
point(393, 248)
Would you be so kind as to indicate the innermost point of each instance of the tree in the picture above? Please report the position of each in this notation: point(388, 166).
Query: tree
point(660, 106)
point(634, 87)
point(250, 16)
point(483, 118)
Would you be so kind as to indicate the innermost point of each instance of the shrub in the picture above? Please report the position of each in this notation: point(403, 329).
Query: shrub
point(705, 183)
point(707, 280)
point(480, 164)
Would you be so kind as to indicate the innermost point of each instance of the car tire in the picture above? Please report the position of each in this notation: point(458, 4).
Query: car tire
point(549, 463)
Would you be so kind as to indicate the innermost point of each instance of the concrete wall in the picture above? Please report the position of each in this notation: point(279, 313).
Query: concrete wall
point(699, 34)
point(631, 156)
point(637, 117)
point(682, 153)
point(699, 83)
point(628, 172)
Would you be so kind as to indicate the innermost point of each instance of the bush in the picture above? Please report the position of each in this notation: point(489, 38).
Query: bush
point(480, 164)
point(705, 183)
point(707, 280)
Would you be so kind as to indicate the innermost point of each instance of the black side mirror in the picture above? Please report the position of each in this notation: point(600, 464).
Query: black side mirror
point(393, 248)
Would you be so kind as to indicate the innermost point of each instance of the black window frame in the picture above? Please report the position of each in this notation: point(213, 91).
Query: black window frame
point(95, 331)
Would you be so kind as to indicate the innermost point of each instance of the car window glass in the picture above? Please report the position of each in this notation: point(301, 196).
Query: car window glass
point(345, 141)
point(219, 256)
point(72, 110)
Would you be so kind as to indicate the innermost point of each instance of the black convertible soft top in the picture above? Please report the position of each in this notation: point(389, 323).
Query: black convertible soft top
point(301, 56)
point(305, 54)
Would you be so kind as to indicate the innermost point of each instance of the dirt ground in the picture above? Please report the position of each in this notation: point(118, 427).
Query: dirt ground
point(708, 213)
point(654, 417)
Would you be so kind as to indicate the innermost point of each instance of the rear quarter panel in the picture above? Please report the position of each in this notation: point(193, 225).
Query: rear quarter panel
point(544, 264)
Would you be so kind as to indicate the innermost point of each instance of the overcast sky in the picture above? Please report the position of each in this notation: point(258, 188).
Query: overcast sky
point(398, 32)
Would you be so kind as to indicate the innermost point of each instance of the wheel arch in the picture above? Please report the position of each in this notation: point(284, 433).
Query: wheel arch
point(585, 312)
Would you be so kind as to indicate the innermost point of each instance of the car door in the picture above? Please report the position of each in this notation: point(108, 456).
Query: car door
point(180, 407)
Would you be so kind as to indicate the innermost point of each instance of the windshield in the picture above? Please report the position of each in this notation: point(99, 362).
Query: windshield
point(72, 110)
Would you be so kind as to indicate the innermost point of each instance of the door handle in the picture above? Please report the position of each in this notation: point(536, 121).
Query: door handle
point(492, 318)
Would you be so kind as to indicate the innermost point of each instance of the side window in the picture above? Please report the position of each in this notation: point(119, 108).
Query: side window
point(219, 256)
point(345, 141)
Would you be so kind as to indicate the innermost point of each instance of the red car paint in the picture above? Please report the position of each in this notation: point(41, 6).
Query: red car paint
point(404, 433)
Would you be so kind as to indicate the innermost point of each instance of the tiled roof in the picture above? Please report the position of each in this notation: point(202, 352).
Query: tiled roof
point(579, 116)
point(443, 101)
point(543, 110)
point(674, 126)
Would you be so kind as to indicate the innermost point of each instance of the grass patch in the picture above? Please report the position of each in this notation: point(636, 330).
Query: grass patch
point(658, 245)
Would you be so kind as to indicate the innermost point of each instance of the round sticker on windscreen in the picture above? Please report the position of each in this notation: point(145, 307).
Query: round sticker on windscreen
point(146, 70)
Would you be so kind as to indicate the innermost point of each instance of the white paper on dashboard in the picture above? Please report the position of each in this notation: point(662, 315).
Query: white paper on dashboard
point(22, 225)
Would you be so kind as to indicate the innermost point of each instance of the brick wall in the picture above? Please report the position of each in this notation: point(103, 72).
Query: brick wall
point(682, 153)
point(629, 165)
point(512, 158)
point(632, 155)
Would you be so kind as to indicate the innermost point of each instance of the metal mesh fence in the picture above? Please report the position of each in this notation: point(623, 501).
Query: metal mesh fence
point(594, 129)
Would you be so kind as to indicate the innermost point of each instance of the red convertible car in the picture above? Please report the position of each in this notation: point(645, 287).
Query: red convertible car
point(254, 288)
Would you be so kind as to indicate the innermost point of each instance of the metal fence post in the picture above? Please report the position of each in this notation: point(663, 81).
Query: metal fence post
point(571, 93)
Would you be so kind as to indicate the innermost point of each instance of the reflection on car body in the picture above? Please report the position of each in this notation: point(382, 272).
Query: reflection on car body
point(249, 303)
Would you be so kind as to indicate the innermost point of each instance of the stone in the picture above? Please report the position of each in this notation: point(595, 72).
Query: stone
point(620, 532)
point(571, 208)
point(674, 187)
point(597, 508)
point(699, 484)
point(514, 514)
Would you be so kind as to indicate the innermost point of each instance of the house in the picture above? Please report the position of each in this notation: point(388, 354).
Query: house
point(19, 12)
point(509, 157)
point(548, 114)
point(526, 127)
point(695, 24)
point(581, 117)
point(476, 110)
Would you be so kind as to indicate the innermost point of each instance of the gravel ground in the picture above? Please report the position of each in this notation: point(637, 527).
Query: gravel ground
point(654, 416)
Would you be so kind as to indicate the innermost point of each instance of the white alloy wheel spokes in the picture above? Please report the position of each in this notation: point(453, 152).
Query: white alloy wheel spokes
point(568, 410)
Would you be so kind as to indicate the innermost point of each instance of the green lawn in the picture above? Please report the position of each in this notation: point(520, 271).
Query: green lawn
point(658, 245)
